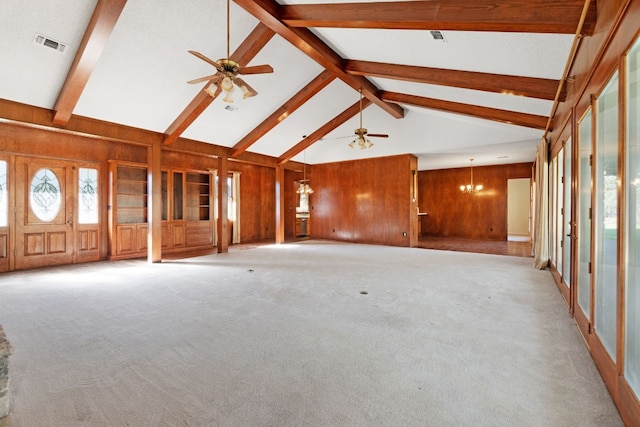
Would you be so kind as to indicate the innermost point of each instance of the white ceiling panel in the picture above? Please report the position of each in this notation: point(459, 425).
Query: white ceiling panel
point(518, 54)
point(32, 73)
point(140, 79)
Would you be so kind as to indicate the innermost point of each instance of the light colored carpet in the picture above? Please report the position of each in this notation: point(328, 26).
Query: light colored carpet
point(282, 335)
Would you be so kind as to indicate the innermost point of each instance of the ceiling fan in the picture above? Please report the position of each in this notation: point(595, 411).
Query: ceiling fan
point(362, 134)
point(227, 73)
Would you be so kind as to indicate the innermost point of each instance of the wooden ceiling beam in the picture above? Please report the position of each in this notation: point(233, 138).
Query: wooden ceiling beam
point(323, 130)
point(269, 12)
point(306, 93)
point(514, 85)
point(503, 116)
point(249, 48)
point(104, 18)
point(550, 16)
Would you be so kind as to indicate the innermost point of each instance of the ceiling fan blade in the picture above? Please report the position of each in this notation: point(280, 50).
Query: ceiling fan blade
point(204, 79)
point(378, 135)
point(240, 83)
point(207, 60)
point(256, 69)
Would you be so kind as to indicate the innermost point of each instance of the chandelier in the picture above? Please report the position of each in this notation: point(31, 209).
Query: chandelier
point(304, 187)
point(470, 188)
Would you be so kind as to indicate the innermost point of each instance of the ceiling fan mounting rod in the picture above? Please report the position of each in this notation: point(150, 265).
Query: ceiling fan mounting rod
point(360, 108)
point(228, 25)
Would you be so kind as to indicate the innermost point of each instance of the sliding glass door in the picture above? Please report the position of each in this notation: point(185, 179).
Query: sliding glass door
point(566, 215)
point(559, 196)
point(632, 243)
point(606, 216)
point(584, 215)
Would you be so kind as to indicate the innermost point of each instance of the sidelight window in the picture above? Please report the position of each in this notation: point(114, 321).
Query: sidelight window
point(88, 196)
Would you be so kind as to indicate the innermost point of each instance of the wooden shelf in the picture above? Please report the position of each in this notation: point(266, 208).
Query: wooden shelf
point(186, 210)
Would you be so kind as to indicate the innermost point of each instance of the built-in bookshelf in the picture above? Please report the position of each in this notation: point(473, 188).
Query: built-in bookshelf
point(128, 210)
point(131, 190)
point(190, 221)
point(187, 219)
point(198, 197)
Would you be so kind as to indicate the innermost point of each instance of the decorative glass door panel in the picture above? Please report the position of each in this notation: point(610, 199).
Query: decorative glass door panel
point(606, 216)
point(44, 213)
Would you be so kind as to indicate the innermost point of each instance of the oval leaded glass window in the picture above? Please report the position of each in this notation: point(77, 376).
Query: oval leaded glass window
point(46, 196)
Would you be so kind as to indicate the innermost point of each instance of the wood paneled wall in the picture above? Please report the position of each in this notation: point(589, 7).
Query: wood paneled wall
point(452, 213)
point(257, 182)
point(366, 201)
point(593, 66)
point(257, 202)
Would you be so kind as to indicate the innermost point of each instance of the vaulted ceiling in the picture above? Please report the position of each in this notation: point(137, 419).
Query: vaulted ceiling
point(482, 87)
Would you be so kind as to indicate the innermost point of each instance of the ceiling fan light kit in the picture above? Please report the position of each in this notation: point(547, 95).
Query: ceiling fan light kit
point(227, 73)
point(361, 133)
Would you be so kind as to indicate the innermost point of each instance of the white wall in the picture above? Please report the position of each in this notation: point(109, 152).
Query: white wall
point(518, 206)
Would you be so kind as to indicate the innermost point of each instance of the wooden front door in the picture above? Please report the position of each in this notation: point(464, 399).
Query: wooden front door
point(45, 201)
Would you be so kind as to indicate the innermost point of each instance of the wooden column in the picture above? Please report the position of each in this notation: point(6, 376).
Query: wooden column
point(280, 204)
point(223, 207)
point(154, 204)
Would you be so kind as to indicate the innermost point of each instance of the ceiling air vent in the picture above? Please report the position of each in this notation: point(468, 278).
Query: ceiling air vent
point(48, 42)
point(438, 36)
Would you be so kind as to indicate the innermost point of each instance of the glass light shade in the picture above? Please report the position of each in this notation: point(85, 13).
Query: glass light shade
point(245, 92)
point(211, 89)
point(226, 85)
point(304, 189)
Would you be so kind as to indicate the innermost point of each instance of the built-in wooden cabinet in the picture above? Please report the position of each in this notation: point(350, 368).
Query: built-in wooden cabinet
point(187, 219)
point(198, 196)
point(302, 227)
point(186, 211)
point(128, 201)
